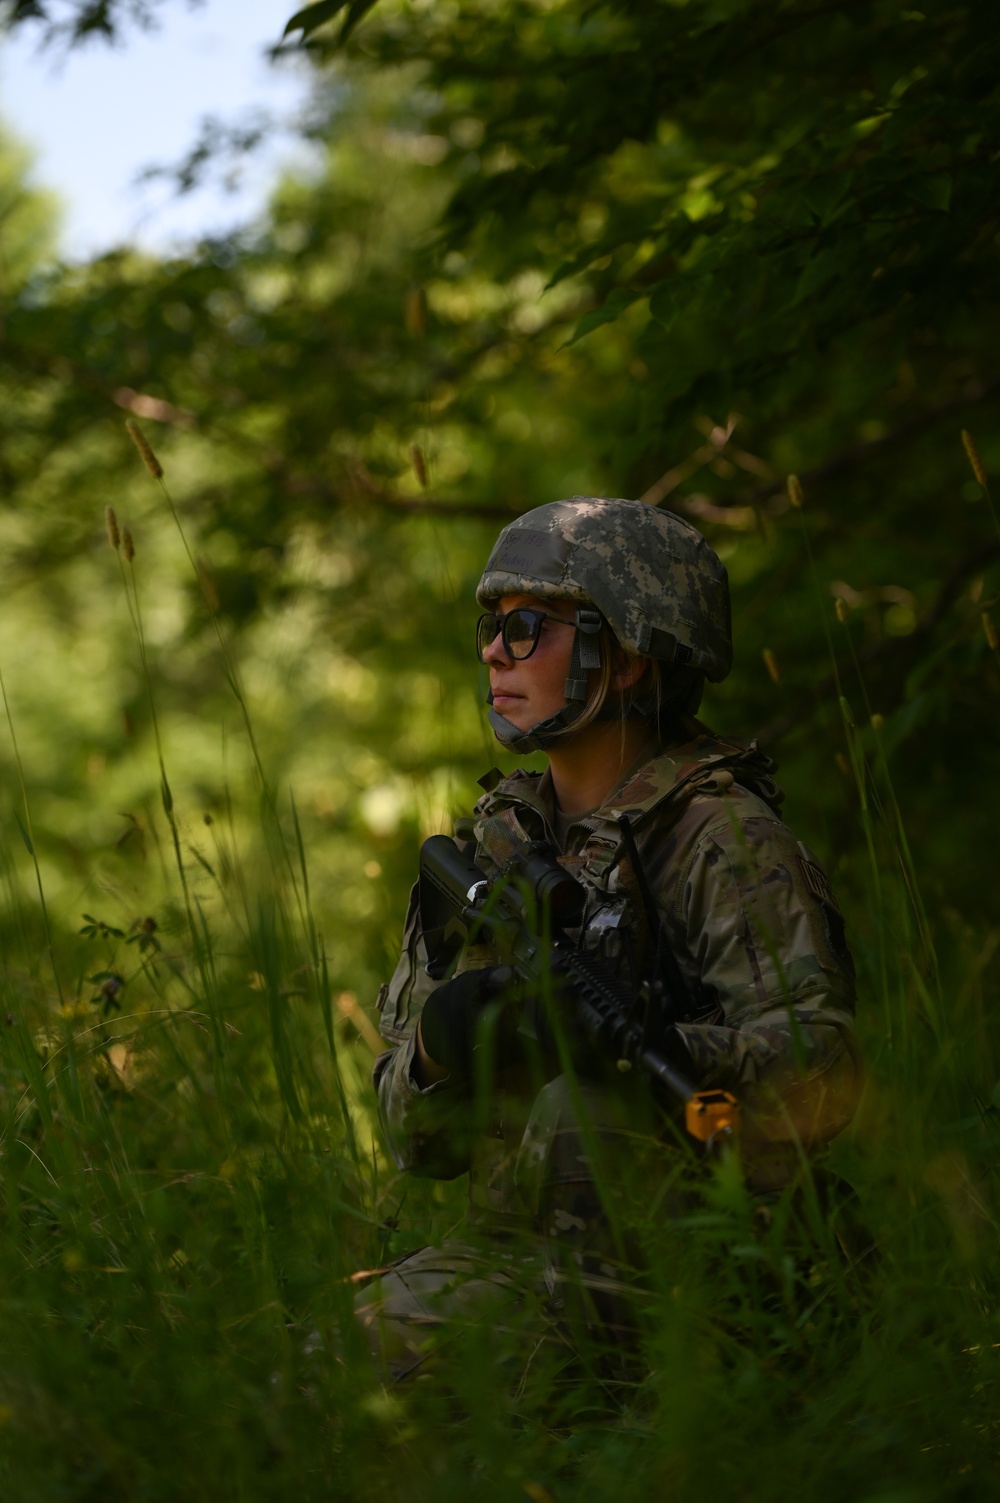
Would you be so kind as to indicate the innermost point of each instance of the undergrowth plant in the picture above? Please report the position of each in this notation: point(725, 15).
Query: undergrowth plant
point(193, 1189)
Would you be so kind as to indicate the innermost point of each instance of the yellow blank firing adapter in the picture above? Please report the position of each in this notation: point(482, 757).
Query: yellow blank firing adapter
point(712, 1114)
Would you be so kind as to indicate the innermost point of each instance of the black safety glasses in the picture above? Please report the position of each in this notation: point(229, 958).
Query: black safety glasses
point(519, 631)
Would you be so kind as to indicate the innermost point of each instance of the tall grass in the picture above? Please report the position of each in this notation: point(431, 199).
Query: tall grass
point(190, 1179)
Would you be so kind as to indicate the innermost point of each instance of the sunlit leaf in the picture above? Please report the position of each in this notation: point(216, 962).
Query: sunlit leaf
point(311, 17)
point(357, 10)
point(611, 309)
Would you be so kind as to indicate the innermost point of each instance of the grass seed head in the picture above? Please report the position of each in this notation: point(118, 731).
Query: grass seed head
point(146, 454)
point(415, 312)
point(419, 467)
point(795, 493)
point(840, 606)
point(990, 631)
point(128, 545)
point(111, 527)
point(771, 664)
point(975, 458)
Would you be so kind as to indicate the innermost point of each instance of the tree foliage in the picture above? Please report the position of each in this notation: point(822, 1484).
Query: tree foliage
point(681, 250)
point(668, 250)
point(789, 208)
point(77, 21)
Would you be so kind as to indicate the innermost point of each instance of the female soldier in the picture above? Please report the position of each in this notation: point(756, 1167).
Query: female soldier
point(603, 618)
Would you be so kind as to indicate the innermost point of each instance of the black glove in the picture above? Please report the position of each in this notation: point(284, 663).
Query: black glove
point(453, 1014)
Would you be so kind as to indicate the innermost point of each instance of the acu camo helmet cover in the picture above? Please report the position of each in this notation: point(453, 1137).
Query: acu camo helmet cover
point(663, 591)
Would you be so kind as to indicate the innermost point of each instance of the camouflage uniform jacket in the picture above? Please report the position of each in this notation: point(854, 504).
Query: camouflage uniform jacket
point(751, 920)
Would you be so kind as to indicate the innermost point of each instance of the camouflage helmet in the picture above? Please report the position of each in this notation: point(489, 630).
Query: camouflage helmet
point(662, 590)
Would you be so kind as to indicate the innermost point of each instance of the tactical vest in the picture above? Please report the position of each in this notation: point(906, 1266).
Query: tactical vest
point(615, 925)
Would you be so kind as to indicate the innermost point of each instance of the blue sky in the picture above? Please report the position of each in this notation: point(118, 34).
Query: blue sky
point(97, 116)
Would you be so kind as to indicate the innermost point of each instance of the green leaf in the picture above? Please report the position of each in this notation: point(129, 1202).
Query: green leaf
point(357, 10)
point(24, 834)
point(313, 16)
point(825, 193)
point(615, 304)
point(934, 191)
point(821, 269)
point(672, 296)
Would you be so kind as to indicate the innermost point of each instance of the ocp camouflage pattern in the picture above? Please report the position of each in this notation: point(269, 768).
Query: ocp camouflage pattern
point(759, 941)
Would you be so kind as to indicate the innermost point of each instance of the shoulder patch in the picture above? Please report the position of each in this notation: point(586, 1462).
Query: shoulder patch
point(817, 882)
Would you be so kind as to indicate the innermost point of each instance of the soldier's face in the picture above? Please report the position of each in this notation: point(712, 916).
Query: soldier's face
point(532, 689)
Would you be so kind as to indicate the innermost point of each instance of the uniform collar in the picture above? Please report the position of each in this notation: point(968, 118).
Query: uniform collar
point(643, 786)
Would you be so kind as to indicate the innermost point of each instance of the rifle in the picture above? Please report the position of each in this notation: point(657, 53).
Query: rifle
point(535, 893)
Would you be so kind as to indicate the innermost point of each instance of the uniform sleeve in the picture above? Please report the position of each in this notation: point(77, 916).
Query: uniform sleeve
point(757, 922)
point(425, 1129)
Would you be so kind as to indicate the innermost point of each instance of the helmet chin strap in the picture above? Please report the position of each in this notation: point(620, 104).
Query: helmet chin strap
point(540, 735)
point(584, 658)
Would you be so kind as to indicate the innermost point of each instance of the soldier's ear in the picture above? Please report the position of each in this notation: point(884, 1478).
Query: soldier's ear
point(626, 670)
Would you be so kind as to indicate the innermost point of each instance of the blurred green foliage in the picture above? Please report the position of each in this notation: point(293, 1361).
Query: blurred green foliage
point(680, 250)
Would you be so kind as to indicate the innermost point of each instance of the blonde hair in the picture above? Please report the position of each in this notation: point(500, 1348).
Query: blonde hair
point(652, 695)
